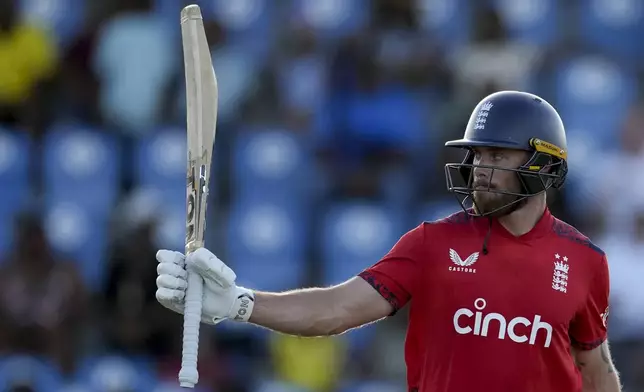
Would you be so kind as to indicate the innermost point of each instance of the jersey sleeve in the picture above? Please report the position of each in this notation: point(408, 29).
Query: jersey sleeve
point(395, 275)
point(588, 329)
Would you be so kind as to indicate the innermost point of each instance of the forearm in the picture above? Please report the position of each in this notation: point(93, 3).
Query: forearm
point(601, 383)
point(598, 371)
point(304, 312)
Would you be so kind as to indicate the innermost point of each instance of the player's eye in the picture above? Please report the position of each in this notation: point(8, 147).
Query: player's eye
point(497, 156)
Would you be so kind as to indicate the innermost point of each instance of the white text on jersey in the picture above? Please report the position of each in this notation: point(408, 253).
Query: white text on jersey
point(482, 323)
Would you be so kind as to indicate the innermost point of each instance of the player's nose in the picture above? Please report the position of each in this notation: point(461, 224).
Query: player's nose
point(482, 174)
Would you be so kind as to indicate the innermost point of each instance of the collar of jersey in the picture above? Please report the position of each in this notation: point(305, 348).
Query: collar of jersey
point(543, 227)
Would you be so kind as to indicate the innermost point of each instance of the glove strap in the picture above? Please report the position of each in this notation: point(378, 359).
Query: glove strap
point(243, 305)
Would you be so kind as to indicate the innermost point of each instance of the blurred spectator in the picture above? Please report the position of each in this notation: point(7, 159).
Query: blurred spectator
point(492, 58)
point(627, 188)
point(135, 58)
point(78, 86)
point(43, 302)
point(313, 364)
point(27, 61)
point(135, 323)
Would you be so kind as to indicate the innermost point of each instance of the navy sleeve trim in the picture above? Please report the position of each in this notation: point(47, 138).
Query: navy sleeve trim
point(587, 346)
point(570, 233)
point(380, 287)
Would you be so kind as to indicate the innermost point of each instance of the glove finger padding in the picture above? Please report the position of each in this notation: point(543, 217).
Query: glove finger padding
point(172, 270)
point(171, 257)
point(206, 264)
point(168, 297)
point(171, 282)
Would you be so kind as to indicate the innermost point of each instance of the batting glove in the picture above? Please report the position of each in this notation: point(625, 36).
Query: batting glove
point(222, 298)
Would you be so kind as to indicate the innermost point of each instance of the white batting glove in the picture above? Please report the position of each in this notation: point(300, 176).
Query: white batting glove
point(222, 298)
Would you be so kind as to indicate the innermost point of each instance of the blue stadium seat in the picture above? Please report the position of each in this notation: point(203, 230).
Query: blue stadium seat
point(33, 371)
point(447, 21)
point(161, 164)
point(171, 231)
point(531, 21)
point(245, 21)
point(332, 19)
point(613, 26)
point(272, 163)
point(169, 11)
point(355, 235)
point(392, 116)
point(64, 17)
point(82, 166)
point(15, 157)
point(399, 186)
point(267, 243)
point(114, 372)
point(76, 233)
point(593, 95)
point(303, 83)
point(434, 210)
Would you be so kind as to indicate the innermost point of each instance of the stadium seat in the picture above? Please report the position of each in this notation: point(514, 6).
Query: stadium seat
point(76, 233)
point(593, 94)
point(434, 210)
point(26, 370)
point(530, 21)
point(355, 235)
point(15, 158)
point(447, 21)
point(613, 26)
point(332, 19)
point(244, 20)
point(392, 116)
point(63, 17)
point(271, 163)
point(161, 164)
point(267, 244)
point(115, 372)
point(171, 231)
point(82, 166)
point(303, 83)
point(399, 187)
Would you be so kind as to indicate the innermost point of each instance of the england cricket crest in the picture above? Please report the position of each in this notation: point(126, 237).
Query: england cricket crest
point(560, 273)
point(481, 117)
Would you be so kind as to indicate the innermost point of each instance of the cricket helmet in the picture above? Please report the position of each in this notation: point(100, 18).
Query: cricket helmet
point(512, 120)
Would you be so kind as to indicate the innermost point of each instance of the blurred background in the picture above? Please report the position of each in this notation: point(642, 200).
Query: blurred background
point(332, 119)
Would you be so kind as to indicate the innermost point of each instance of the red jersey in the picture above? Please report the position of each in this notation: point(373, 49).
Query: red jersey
point(501, 321)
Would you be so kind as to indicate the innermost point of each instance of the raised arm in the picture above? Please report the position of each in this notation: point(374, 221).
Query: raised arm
point(376, 293)
point(320, 311)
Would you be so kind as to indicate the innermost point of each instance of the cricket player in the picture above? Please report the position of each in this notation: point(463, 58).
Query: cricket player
point(503, 296)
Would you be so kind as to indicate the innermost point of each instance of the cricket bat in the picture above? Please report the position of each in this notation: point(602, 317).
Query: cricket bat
point(201, 103)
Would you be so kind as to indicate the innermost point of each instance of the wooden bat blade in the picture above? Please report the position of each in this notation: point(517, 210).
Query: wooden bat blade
point(201, 102)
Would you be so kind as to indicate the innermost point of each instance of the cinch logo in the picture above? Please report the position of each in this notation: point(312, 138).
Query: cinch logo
point(480, 326)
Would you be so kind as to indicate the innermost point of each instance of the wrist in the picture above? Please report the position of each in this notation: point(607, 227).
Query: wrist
point(243, 304)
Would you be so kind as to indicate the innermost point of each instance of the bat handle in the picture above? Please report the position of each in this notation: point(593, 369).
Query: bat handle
point(188, 375)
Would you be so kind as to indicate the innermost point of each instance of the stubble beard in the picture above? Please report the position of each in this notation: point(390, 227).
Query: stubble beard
point(493, 204)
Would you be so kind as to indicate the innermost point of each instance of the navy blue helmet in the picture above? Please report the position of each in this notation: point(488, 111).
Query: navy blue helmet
point(512, 120)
